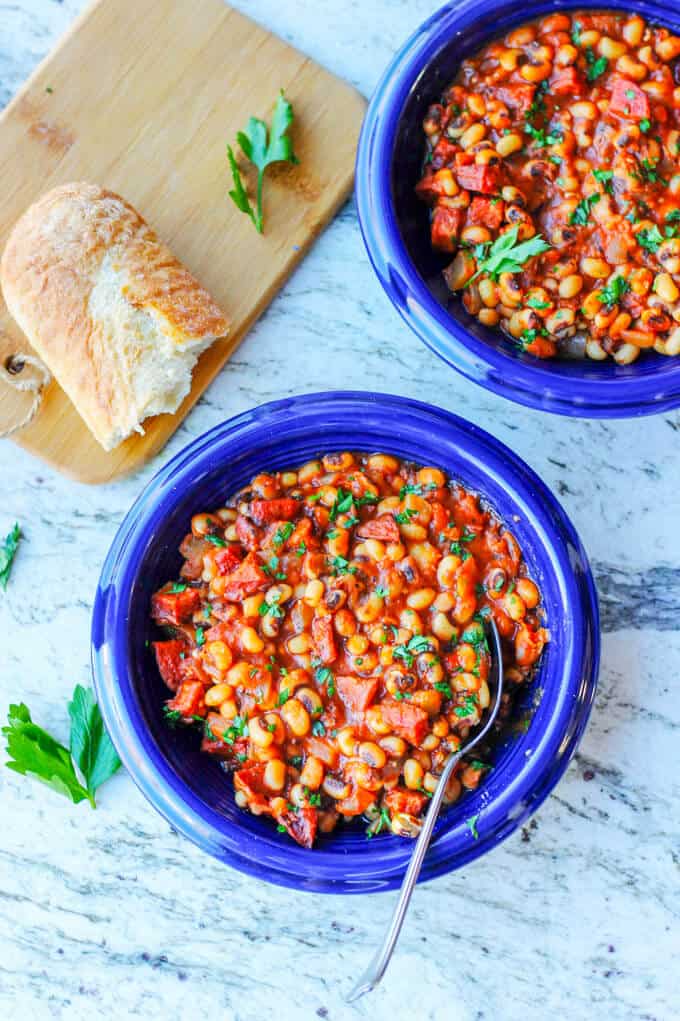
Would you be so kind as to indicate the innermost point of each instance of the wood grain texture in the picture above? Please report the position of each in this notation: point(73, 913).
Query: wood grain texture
point(142, 99)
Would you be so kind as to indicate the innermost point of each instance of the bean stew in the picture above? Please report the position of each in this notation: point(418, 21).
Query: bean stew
point(552, 170)
point(326, 635)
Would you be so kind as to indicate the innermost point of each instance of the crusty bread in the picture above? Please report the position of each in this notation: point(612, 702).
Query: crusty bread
point(110, 310)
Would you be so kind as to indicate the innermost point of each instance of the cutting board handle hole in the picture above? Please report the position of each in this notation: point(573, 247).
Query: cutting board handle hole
point(14, 364)
point(13, 373)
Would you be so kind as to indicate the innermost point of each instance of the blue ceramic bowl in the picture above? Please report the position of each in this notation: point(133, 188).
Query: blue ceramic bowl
point(395, 226)
point(188, 787)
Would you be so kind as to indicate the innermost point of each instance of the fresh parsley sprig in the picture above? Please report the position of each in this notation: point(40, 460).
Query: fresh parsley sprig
point(262, 147)
point(506, 256)
point(8, 551)
point(35, 753)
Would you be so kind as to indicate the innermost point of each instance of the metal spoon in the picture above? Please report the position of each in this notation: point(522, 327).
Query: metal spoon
point(376, 969)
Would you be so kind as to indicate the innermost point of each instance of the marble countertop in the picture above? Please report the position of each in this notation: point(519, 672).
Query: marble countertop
point(112, 913)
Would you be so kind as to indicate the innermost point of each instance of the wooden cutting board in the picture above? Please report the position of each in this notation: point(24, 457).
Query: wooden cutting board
point(142, 98)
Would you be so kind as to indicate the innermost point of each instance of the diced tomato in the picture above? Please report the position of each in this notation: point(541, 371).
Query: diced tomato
point(629, 99)
point(246, 580)
point(263, 512)
point(357, 692)
point(324, 641)
point(440, 519)
point(227, 560)
point(170, 662)
point(250, 781)
point(467, 509)
point(401, 799)
point(410, 721)
point(478, 177)
point(541, 347)
point(445, 228)
point(189, 700)
point(301, 824)
point(567, 82)
point(384, 527)
point(486, 212)
point(174, 607)
point(443, 153)
point(518, 97)
point(356, 803)
point(248, 535)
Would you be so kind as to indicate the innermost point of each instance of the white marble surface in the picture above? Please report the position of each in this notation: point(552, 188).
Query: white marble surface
point(111, 914)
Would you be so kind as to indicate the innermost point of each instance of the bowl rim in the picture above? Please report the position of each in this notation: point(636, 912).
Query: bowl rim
point(639, 389)
point(271, 858)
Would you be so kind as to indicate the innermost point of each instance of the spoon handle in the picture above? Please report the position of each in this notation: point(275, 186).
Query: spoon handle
point(376, 969)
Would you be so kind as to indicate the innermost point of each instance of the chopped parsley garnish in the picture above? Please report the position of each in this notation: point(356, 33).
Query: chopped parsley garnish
point(410, 487)
point(403, 517)
point(645, 125)
point(207, 610)
point(673, 216)
point(527, 337)
point(284, 695)
point(580, 215)
point(382, 822)
point(537, 303)
point(351, 521)
point(576, 33)
point(177, 586)
point(215, 540)
point(367, 498)
point(539, 136)
point(459, 551)
point(611, 294)
point(318, 728)
point(596, 65)
point(605, 179)
point(650, 238)
point(342, 566)
point(280, 828)
point(417, 644)
point(7, 554)
point(301, 550)
point(200, 636)
point(468, 708)
point(401, 695)
point(283, 533)
point(172, 716)
point(471, 824)
point(506, 256)
point(324, 675)
point(333, 535)
point(444, 688)
point(342, 503)
point(381, 591)
point(649, 172)
point(313, 798)
point(238, 728)
point(272, 608)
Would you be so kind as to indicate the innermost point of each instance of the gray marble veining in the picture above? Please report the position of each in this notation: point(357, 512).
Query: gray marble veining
point(112, 914)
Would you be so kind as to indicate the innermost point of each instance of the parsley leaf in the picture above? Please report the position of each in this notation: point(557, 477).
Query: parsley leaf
point(506, 256)
point(645, 125)
point(272, 608)
point(605, 179)
point(415, 646)
point(582, 211)
point(35, 753)
point(539, 136)
point(342, 503)
point(283, 533)
point(91, 747)
point(614, 291)
point(596, 65)
point(650, 238)
point(262, 149)
point(8, 551)
point(403, 517)
point(537, 303)
point(673, 216)
point(341, 566)
point(215, 540)
point(177, 586)
point(471, 824)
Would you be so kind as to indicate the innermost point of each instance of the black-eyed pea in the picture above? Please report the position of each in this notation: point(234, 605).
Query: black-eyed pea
point(483, 695)
point(509, 289)
point(430, 743)
point(250, 640)
point(394, 746)
point(274, 776)
point(440, 727)
point(383, 463)
point(312, 773)
point(314, 592)
point(428, 699)
point(631, 68)
point(296, 717)
point(393, 679)
point(467, 656)
point(459, 271)
point(465, 682)
point(239, 674)
point(367, 663)
point(347, 741)
point(488, 317)
point(432, 477)
point(508, 144)
point(297, 795)
point(566, 55)
point(666, 288)
point(668, 49)
point(509, 59)
point(357, 645)
point(298, 645)
point(386, 655)
point(372, 754)
point(270, 626)
point(411, 621)
point(421, 598)
point(289, 479)
point(413, 774)
point(522, 36)
point(337, 544)
point(395, 551)
point(309, 472)
point(536, 72)
point(589, 39)
point(446, 571)
point(442, 627)
point(610, 48)
point(335, 788)
point(311, 700)
point(528, 592)
point(430, 782)
point(672, 342)
point(430, 668)
point(295, 679)
point(345, 623)
point(206, 524)
point(259, 732)
point(338, 461)
point(413, 531)
point(444, 602)
point(626, 354)
point(389, 503)
point(560, 320)
point(475, 235)
point(513, 605)
point(251, 605)
point(669, 255)
point(570, 285)
point(241, 799)
point(595, 351)
point(591, 305)
point(375, 722)
point(374, 549)
point(216, 695)
point(220, 653)
point(634, 30)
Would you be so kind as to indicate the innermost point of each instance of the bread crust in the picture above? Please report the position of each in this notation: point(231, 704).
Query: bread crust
point(116, 317)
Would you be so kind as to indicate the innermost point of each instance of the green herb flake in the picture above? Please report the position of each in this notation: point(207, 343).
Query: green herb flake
point(284, 695)
point(381, 591)
point(644, 125)
point(8, 551)
point(177, 586)
point(506, 256)
point(283, 533)
point(537, 303)
point(403, 517)
point(318, 728)
point(580, 215)
point(471, 824)
point(650, 238)
point(611, 294)
point(596, 65)
point(200, 636)
point(215, 540)
point(604, 177)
